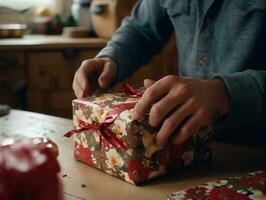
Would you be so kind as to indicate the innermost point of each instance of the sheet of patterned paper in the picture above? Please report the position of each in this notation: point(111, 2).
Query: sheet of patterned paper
point(251, 186)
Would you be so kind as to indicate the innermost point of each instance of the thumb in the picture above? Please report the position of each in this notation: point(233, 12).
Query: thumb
point(148, 83)
point(107, 75)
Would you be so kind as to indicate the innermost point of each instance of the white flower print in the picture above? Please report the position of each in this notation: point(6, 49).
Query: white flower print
point(149, 144)
point(217, 183)
point(114, 159)
point(83, 140)
point(97, 114)
point(126, 115)
point(178, 196)
point(257, 195)
point(126, 177)
point(94, 160)
point(103, 98)
point(76, 139)
point(96, 136)
point(147, 139)
point(119, 128)
point(241, 191)
point(77, 117)
point(128, 100)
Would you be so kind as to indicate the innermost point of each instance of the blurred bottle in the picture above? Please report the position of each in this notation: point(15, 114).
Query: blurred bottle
point(80, 10)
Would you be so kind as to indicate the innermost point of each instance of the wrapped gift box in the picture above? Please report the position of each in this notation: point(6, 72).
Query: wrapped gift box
point(251, 186)
point(106, 137)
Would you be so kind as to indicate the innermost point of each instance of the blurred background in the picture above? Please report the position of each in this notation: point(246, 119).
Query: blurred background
point(42, 44)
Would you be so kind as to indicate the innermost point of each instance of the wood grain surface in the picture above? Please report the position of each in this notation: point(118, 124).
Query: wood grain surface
point(83, 182)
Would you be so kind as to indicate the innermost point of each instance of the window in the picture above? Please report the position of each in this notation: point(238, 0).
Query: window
point(23, 4)
point(61, 7)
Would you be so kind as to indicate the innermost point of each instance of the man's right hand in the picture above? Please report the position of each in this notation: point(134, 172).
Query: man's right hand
point(94, 73)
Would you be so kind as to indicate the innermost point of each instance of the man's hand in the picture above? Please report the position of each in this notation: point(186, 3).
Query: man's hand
point(185, 104)
point(93, 73)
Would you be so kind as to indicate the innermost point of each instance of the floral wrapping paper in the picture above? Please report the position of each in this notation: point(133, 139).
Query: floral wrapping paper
point(143, 159)
point(251, 186)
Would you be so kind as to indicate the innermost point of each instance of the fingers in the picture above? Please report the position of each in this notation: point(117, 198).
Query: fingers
point(80, 82)
point(195, 123)
point(84, 79)
point(163, 107)
point(106, 75)
point(80, 91)
point(150, 96)
point(171, 123)
point(148, 83)
point(83, 84)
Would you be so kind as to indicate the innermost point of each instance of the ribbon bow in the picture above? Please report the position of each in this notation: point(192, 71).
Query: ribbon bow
point(102, 128)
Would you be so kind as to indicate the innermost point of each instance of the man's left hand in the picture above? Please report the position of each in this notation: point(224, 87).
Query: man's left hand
point(183, 104)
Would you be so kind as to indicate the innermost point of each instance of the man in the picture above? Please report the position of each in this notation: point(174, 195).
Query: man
point(221, 47)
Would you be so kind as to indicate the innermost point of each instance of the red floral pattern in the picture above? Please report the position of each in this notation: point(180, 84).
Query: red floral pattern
point(197, 192)
point(137, 172)
point(171, 156)
point(245, 187)
point(225, 194)
point(83, 154)
point(258, 181)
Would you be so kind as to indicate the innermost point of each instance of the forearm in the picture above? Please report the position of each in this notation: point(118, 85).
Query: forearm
point(140, 37)
point(247, 91)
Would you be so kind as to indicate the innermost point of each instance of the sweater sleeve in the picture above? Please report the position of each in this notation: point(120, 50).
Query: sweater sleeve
point(140, 36)
point(247, 92)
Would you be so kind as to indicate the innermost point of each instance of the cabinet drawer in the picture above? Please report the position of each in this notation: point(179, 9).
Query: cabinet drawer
point(11, 59)
point(54, 103)
point(54, 70)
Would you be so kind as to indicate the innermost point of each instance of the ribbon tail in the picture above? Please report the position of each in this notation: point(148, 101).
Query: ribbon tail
point(112, 139)
point(131, 91)
point(73, 132)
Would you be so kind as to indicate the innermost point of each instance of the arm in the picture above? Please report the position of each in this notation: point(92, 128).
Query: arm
point(247, 91)
point(229, 102)
point(140, 37)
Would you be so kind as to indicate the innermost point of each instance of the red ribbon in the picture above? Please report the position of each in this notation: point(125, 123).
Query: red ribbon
point(131, 91)
point(102, 128)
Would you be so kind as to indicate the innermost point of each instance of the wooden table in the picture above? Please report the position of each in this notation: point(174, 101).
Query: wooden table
point(228, 160)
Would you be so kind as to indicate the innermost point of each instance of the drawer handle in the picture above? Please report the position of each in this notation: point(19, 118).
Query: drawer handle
point(42, 72)
point(71, 53)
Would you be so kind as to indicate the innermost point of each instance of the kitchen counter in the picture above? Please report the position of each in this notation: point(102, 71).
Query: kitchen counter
point(37, 42)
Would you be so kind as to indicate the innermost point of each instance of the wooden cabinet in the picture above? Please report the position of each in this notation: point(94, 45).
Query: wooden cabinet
point(36, 72)
point(53, 70)
point(12, 78)
point(43, 68)
point(50, 75)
